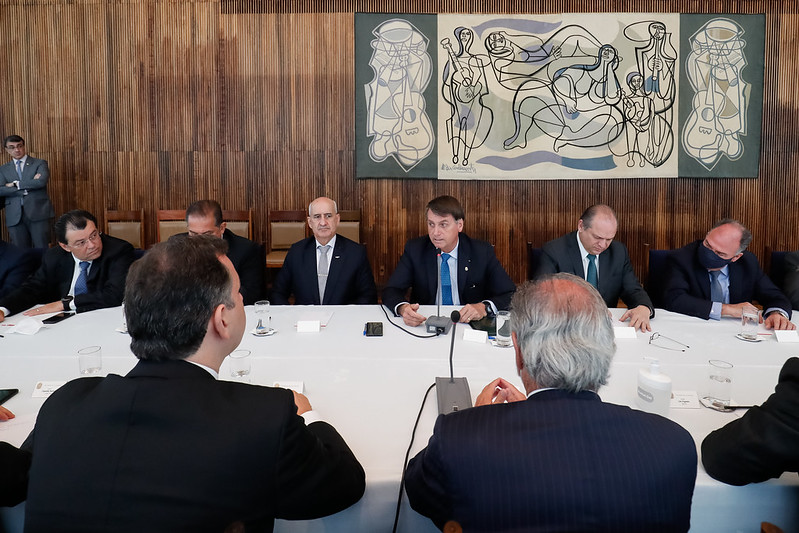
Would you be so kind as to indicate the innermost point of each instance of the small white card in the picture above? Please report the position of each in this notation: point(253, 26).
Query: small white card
point(624, 332)
point(475, 335)
point(296, 386)
point(684, 399)
point(786, 336)
point(43, 389)
point(308, 326)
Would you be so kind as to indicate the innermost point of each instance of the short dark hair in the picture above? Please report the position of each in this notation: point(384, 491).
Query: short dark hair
point(205, 208)
point(746, 235)
point(588, 215)
point(13, 139)
point(76, 219)
point(446, 205)
point(171, 294)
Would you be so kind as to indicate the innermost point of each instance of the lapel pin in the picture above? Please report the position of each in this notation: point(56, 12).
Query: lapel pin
point(466, 269)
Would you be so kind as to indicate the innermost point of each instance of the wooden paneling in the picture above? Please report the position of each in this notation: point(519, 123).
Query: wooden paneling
point(154, 104)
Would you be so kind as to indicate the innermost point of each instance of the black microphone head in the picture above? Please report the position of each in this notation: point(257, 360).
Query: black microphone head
point(455, 316)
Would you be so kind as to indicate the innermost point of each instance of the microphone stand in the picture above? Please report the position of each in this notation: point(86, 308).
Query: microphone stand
point(453, 393)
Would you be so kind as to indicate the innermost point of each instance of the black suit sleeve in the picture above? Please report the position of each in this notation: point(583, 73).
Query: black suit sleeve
point(41, 287)
point(791, 283)
point(400, 281)
point(108, 290)
point(632, 292)
point(763, 443)
point(318, 475)
point(679, 293)
point(425, 482)
point(282, 286)
point(500, 286)
point(251, 275)
point(23, 266)
point(548, 264)
point(14, 466)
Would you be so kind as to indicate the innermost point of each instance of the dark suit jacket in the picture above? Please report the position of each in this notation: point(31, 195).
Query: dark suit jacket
point(106, 282)
point(556, 462)
point(249, 261)
point(480, 275)
point(349, 279)
point(16, 265)
point(168, 448)
point(37, 203)
point(688, 284)
point(14, 465)
point(764, 442)
point(616, 276)
point(791, 283)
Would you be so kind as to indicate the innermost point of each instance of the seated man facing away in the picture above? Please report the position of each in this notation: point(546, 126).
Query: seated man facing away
point(16, 264)
point(86, 271)
point(764, 442)
point(327, 268)
point(471, 275)
point(790, 284)
point(14, 465)
point(591, 253)
point(557, 458)
point(204, 217)
point(169, 447)
point(716, 277)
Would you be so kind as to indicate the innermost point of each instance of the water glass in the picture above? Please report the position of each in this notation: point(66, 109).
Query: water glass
point(239, 363)
point(719, 382)
point(503, 329)
point(750, 321)
point(90, 360)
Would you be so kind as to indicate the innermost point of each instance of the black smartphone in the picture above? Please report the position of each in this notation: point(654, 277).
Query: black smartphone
point(373, 329)
point(5, 394)
point(55, 319)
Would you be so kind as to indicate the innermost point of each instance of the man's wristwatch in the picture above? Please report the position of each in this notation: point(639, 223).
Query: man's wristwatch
point(65, 301)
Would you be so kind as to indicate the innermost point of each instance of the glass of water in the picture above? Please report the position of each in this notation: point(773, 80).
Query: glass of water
point(719, 382)
point(239, 361)
point(503, 329)
point(90, 360)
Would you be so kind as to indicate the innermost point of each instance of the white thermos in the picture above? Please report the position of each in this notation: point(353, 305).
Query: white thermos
point(654, 389)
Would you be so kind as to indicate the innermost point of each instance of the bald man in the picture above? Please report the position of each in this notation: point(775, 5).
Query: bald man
point(717, 277)
point(611, 273)
point(326, 269)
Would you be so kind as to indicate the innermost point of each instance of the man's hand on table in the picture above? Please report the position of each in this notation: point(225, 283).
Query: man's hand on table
point(53, 307)
point(775, 320)
point(639, 318)
point(473, 312)
point(410, 316)
point(5, 414)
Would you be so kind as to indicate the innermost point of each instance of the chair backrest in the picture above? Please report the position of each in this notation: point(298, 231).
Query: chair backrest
point(776, 266)
point(533, 258)
point(170, 222)
point(238, 221)
point(285, 228)
point(350, 225)
point(126, 225)
point(656, 276)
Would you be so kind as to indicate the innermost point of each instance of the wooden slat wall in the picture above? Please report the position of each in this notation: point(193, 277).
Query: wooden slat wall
point(153, 104)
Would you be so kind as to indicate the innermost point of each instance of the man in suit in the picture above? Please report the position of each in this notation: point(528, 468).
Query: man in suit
point(343, 276)
point(716, 277)
point(762, 444)
point(169, 447)
point(790, 284)
point(204, 217)
point(556, 458)
point(23, 183)
point(16, 265)
point(14, 465)
point(86, 271)
point(471, 275)
point(592, 254)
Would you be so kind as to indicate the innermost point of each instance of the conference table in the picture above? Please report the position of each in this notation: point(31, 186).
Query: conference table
point(371, 390)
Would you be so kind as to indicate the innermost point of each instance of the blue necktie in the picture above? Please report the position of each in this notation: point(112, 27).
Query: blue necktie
point(80, 283)
point(19, 168)
point(446, 281)
point(716, 292)
point(592, 277)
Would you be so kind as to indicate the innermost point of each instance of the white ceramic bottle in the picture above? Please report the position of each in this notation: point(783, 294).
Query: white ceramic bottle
point(654, 389)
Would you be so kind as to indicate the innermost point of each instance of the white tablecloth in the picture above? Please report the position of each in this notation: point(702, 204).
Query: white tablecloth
point(371, 388)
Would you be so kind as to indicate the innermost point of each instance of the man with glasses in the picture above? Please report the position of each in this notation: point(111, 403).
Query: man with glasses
point(86, 271)
point(23, 185)
point(716, 277)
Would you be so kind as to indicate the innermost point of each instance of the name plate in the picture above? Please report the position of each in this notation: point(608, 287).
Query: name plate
point(296, 386)
point(786, 336)
point(475, 335)
point(625, 332)
point(43, 389)
point(308, 326)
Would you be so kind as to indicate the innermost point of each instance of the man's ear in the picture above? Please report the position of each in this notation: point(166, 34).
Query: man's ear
point(220, 322)
point(737, 257)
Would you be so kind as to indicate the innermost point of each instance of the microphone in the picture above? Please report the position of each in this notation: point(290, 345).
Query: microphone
point(453, 393)
point(438, 324)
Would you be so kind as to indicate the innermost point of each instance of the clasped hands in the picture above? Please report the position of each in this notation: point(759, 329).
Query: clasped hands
point(499, 391)
point(469, 312)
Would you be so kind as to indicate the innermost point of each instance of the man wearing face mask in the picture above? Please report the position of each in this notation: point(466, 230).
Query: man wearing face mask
point(716, 277)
